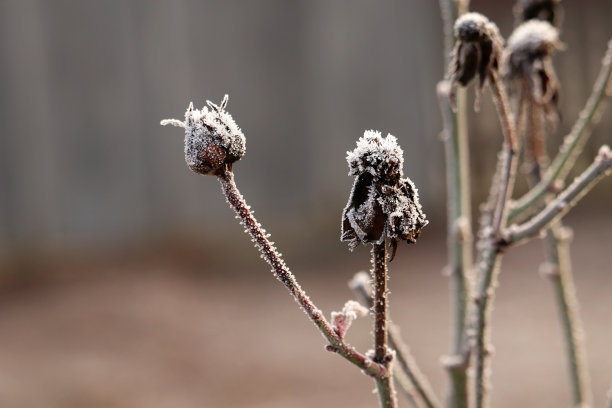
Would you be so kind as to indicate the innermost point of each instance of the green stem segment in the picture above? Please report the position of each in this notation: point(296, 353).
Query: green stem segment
point(459, 219)
point(559, 270)
point(283, 274)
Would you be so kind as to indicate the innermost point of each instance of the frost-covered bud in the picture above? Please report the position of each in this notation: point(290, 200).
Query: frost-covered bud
point(382, 204)
point(213, 141)
point(477, 50)
point(546, 10)
point(527, 62)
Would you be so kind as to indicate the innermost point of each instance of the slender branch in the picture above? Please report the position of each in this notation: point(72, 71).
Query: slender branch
point(557, 208)
point(559, 270)
point(282, 273)
point(419, 389)
point(610, 398)
point(459, 206)
point(490, 253)
point(573, 142)
point(386, 393)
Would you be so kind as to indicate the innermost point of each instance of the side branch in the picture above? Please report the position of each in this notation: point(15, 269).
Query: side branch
point(573, 142)
point(282, 273)
point(558, 207)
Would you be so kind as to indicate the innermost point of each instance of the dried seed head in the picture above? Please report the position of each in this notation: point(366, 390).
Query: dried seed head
point(213, 141)
point(527, 63)
point(477, 50)
point(382, 204)
point(545, 10)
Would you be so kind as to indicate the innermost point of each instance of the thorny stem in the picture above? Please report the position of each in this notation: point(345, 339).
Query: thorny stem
point(282, 273)
point(490, 254)
point(459, 219)
point(557, 208)
point(573, 142)
point(386, 392)
point(559, 270)
point(419, 390)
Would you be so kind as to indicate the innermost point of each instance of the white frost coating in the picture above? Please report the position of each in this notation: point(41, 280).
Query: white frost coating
point(534, 36)
point(212, 137)
point(471, 23)
point(342, 320)
point(376, 155)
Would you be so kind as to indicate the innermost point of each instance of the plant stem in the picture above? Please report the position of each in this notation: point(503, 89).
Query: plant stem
point(419, 390)
point(560, 274)
point(573, 142)
point(386, 392)
point(490, 253)
point(557, 208)
point(283, 274)
point(559, 270)
point(459, 206)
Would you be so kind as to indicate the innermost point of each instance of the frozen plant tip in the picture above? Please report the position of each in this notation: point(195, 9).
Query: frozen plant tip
point(382, 204)
point(527, 62)
point(213, 141)
point(342, 320)
point(546, 10)
point(477, 51)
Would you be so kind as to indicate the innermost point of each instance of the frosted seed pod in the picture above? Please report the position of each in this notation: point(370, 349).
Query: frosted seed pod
point(213, 141)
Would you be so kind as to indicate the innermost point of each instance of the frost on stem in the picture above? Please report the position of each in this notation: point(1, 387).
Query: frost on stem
point(477, 51)
point(546, 10)
point(213, 141)
point(527, 63)
point(382, 204)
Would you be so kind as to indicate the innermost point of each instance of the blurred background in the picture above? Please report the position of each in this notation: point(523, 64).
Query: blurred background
point(125, 280)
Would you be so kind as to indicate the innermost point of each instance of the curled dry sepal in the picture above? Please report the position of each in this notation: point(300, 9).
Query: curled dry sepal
point(213, 141)
point(477, 51)
point(546, 10)
point(382, 204)
point(527, 61)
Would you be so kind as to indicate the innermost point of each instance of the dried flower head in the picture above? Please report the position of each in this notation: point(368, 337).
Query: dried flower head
point(527, 63)
point(477, 50)
point(545, 10)
point(382, 204)
point(213, 141)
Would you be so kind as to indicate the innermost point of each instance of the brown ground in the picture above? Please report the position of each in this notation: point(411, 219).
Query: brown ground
point(167, 339)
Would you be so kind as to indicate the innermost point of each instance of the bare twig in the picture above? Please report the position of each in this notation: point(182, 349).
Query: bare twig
point(282, 273)
point(558, 269)
point(573, 142)
point(557, 208)
point(419, 390)
point(386, 392)
point(458, 198)
point(490, 255)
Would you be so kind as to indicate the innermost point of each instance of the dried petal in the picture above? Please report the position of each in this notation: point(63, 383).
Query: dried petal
point(545, 10)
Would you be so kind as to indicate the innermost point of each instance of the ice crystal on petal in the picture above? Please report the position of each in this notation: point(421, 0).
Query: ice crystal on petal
point(382, 204)
point(213, 140)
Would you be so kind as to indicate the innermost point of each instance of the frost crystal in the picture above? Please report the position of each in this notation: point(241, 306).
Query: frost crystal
point(342, 320)
point(213, 141)
point(382, 204)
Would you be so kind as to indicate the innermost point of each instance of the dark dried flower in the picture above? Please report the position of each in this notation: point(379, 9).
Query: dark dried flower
point(213, 141)
point(477, 50)
point(382, 204)
point(527, 63)
point(546, 10)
